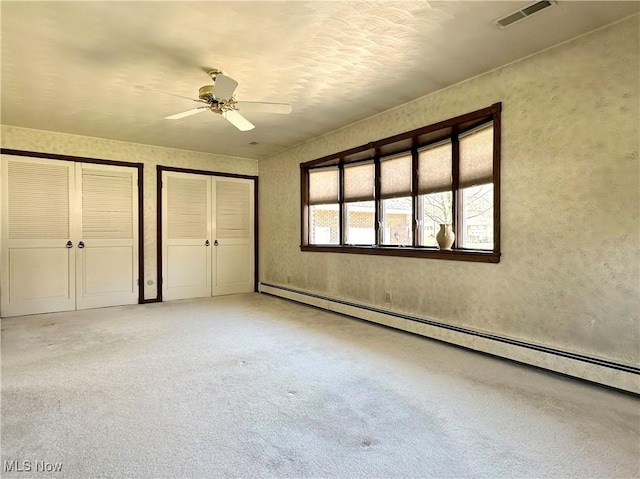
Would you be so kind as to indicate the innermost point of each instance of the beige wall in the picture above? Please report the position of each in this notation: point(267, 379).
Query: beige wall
point(74, 145)
point(569, 273)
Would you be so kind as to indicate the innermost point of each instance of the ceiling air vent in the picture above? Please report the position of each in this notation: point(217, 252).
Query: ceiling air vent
point(525, 12)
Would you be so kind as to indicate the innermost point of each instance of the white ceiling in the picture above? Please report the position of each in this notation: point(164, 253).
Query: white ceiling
point(73, 66)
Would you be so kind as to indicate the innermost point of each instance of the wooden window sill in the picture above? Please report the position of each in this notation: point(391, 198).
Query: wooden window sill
point(410, 252)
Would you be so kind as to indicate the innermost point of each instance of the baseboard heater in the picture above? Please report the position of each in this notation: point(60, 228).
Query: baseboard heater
point(601, 371)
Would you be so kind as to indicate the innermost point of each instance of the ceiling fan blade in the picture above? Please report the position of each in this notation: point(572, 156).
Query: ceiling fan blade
point(140, 87)
point(237, 120)
point(177, 116)
point(264, 107)
point(224, 87)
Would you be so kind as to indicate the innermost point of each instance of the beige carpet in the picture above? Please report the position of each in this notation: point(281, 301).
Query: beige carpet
point(255, 386)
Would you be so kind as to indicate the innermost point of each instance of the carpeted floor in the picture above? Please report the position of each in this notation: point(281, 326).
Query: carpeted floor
point(255, 386)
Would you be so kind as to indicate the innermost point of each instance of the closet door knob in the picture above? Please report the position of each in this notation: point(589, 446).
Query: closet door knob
point(69, 244)
point(81, 245)
point(215, 243)
point(206, 243)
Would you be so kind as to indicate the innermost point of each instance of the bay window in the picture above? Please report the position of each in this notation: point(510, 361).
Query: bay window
point(391, 196)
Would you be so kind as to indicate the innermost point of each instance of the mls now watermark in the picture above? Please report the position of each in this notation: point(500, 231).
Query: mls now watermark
point(32, 466)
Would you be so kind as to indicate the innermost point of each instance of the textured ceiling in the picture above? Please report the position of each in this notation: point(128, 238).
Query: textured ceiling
point(73, 67)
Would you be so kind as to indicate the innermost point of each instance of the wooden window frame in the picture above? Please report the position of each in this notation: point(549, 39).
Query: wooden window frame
point(410, 141)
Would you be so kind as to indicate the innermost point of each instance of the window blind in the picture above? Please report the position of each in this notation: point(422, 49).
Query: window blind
point(395, 176)
point(323, 186)
point(434, 169)
point(476, 157)
point(359, 181)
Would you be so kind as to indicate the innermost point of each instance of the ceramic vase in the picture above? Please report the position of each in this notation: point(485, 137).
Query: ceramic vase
point(445, 237)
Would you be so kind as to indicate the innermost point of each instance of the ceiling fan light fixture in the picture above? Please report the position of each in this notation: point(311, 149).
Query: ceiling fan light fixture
point(219, 98)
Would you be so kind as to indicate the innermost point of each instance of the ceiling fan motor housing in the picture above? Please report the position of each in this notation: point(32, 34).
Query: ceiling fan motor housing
point(206, 93)
point(216, 105)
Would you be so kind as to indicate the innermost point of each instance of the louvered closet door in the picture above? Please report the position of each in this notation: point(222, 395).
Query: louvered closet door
point(38, 269)
point(186, 204)
point(107, 262)
point(233, 229)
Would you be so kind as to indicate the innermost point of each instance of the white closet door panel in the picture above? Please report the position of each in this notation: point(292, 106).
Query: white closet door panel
point(38, 196)
point(188, 208)
point(40, 280)
point(188, 266)
point(108, 198)
point(233, 230)
point(115, 267)
point(39, 273)
point(234, 264)
point(234, 269)
point(37, 267)
point(186, 203)
point(233, 210)
point(107, 266)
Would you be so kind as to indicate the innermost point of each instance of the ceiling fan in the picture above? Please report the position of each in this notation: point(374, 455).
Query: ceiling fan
point(219, 98)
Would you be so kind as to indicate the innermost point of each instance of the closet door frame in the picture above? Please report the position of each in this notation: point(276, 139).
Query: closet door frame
point(159, 241)
point(99, 161)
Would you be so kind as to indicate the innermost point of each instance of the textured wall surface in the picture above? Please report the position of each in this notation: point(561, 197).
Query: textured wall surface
point(64, 144)
point(569, 273)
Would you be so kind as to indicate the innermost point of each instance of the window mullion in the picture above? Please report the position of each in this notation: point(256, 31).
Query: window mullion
point(304, 207)
point(414, 196)
point(455, 185)
point(341, 205)
point(378, 212)
point(496, 176)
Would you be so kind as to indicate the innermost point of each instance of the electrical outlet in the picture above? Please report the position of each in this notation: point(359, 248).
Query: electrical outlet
point(387, 297)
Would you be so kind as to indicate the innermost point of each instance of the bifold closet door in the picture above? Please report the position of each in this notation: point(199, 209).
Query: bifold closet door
point(38, 271)
point(233, 233)
point(207, 234)
point(69, 236)
point(186, 225)
point(107, 254)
